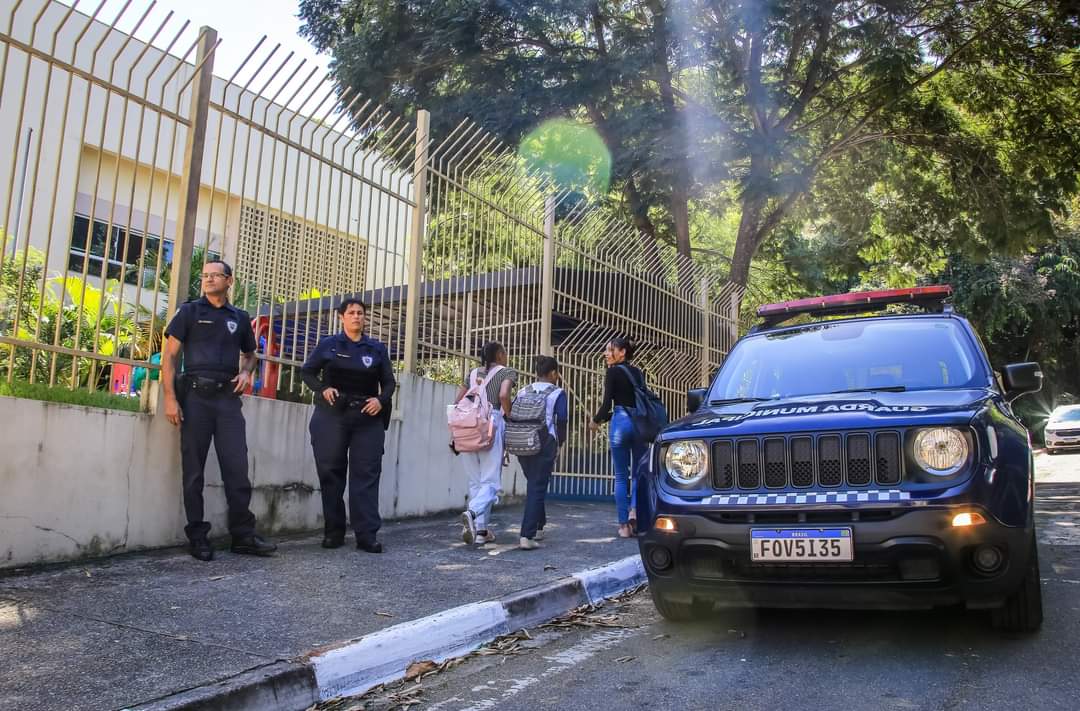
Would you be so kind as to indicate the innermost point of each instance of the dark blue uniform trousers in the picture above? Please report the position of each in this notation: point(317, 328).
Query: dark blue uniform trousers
point(537, 470)
point(348, 444)
point(216, 417)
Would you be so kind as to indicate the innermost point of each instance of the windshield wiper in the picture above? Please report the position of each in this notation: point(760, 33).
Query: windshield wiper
point(737, 400)
point(886, 389)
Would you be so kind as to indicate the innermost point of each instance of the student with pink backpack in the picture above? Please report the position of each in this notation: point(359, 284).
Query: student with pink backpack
point(476, 430)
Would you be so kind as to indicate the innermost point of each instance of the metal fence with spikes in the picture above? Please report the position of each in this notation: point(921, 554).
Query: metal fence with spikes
point(131, 163)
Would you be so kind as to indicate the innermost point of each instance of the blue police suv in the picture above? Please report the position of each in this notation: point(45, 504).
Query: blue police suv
point(855, 462)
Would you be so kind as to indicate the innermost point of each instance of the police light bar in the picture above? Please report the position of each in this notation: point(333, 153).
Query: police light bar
point(854, 302)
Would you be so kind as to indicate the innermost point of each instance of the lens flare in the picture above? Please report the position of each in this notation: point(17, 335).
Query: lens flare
point(570, 153)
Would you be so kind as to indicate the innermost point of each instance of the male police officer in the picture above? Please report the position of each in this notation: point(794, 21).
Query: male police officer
point(354, 383)
point(204, 401)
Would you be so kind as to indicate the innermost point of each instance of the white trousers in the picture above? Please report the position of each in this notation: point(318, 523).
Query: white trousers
point(485, 475)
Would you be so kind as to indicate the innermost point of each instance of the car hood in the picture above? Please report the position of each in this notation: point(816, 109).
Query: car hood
point(1063, 425)
point(835, 411)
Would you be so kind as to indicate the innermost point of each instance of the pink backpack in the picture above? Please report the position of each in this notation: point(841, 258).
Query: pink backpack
point(472, 425)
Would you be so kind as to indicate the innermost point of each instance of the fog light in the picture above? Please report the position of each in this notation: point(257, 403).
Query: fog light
point(987, 559)
point(659, 558)
point(968, 518)
point(665, 525)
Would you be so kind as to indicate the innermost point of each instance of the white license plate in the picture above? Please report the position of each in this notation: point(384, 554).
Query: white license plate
point(801, 545)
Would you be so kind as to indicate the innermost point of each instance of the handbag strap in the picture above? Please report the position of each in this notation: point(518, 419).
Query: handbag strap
point(633, 378)
point(481, 387)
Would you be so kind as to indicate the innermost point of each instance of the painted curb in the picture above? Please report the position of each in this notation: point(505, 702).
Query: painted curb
point(281, 685)
point(359, 665)
point(383, 656)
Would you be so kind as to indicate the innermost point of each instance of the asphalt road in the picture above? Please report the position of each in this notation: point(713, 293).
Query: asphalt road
point(624, 656)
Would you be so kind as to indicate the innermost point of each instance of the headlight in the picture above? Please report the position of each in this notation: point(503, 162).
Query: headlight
point(687, 461)
point(940, 450)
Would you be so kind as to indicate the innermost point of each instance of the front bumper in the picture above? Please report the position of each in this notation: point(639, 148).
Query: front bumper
point(1060, 442)
point(913, 559)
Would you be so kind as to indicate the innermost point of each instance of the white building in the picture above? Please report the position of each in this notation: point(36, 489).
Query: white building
point(94, 125)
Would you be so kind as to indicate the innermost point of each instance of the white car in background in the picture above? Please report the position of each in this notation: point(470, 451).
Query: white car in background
point(1063, 429)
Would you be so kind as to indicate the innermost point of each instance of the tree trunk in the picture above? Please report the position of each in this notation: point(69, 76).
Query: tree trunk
point(747, 241)
point(680, 213)
point(646, 230)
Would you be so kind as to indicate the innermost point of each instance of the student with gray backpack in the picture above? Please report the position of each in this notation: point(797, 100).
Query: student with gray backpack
point(476, 429)
point(536, 427)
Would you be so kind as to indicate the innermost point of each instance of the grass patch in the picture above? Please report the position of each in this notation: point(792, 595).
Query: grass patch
point(58, 393)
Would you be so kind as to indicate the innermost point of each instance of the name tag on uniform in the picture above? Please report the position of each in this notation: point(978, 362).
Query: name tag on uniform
point(204, 321)
point(342, 355)
point(368, 360)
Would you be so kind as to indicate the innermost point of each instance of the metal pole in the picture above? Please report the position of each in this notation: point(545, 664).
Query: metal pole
point(191, 178)
point(416, 244)
point(734, 317)
point(706, 331)
point(22, 188)
point(547, 283)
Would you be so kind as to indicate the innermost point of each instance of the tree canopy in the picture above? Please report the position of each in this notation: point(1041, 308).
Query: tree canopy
point(906, 122)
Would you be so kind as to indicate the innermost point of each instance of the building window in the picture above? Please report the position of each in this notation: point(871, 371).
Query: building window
point(110, 247)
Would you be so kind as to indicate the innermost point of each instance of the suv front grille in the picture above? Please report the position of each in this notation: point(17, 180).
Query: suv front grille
point(802, 461)
point(748, 465)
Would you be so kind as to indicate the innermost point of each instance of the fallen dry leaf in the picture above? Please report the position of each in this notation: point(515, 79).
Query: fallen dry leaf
point(661, 636)
point(623, 660)
point(384, 614)
point(419, 668)
point(218, 577)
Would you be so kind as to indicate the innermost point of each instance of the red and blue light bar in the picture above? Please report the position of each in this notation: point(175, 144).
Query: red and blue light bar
point(854, 302)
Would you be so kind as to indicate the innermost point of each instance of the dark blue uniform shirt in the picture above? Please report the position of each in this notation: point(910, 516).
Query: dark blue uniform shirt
point(356, 368)
point(213, 337)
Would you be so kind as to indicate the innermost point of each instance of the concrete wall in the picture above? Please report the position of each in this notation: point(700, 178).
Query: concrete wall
point(79, 482)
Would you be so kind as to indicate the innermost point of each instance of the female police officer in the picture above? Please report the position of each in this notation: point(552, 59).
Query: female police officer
point(354, 385)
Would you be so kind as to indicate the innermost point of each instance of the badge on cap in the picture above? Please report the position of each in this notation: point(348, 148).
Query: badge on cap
point(231, 325)
point(368, 360)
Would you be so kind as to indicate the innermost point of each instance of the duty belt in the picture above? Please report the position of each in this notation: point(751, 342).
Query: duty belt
point(207, 385)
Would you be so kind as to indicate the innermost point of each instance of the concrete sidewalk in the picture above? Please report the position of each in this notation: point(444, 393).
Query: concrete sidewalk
point(137, 628)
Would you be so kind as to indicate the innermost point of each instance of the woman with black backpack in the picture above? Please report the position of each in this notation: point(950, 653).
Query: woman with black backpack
point(626, 449)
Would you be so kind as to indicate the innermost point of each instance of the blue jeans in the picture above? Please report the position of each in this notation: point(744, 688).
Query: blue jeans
point(625, 453)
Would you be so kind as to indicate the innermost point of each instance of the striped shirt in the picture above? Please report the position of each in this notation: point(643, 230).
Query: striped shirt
point(496, 383)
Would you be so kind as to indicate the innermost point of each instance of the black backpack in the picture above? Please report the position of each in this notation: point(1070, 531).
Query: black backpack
point(648, 415)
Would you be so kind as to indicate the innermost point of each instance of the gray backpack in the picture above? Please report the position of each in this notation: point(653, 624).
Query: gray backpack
point(526, 425)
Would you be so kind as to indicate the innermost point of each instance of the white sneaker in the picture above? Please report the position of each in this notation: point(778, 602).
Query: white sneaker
point(539, 535)
point(528, 544)
point(482, 538)
point(468, 526)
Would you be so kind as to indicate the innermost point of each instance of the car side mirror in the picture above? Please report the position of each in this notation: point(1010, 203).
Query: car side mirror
point(694, 398)
point(1021, 379)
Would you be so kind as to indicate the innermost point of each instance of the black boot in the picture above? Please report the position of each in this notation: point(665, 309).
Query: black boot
point(329, 541)
point(369, 544)
point(200, 549)
point(253, 545)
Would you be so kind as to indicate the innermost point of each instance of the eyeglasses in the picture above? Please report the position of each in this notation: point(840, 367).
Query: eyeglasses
point(215, 275)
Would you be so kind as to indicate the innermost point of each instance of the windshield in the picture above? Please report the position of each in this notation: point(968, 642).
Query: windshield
point(1071, 415)
point(886, 354)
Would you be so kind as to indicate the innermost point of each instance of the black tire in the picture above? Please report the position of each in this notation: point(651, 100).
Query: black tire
point(673, 611)
point(1023, 610)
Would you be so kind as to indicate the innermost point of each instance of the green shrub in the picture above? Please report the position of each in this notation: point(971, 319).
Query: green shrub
point(40, 391)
